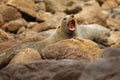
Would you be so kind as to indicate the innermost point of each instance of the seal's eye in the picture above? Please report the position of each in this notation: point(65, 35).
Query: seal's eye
point(64, 18)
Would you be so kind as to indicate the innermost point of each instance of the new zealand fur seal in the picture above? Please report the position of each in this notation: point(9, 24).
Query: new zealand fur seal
point(65, 30)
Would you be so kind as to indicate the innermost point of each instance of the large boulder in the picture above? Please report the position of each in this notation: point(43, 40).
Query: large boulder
point(72, 49)
point(111, 52)
point(15, 25)
point(25, 56)
point(69, 7)
point(51, 23)
point(9, 13)
point(27, 8)
point(91, 13)
point(45, 69)
point(109, 4)
point(102, 69)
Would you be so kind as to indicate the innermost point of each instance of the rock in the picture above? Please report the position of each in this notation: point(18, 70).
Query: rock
point(54, 6)
point(72, 6)
point(41, 16)
point(4, 46)
point(91, 13)
point(102, 69)
point(9, 13)
point(69, 7)
point(1, 21)
point(14, 26)
point(26, 7)
point(111, 52)
point(115, 37)
point(109, 4)
point(25, 56)
point(3, 1)
point(51, 23)
point(5, 36)
point(40, 6)
point(72, 49)
point(32, 24)
point(45, 69)
point(113, 20)
point(37, 37)
point(117, 28)
point(25, 34)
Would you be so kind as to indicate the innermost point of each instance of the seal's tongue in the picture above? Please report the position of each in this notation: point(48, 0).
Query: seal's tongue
point(71, 25)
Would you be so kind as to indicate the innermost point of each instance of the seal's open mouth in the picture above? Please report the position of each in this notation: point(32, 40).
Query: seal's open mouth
point(71, 25)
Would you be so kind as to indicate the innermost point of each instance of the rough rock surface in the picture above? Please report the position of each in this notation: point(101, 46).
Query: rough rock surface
point(1, 21)
point(14, 25)
point(70, 6)
point(93, 9)
point(111, 52)
point(45, 69)
point(72, 49)
point(109, 4)
point(50, 23)
point(9, 13)
point(25, 56)
point(102, 69)
point(4, 36)
point(25, 6)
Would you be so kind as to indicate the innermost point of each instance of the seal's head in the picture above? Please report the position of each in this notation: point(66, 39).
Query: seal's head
point(68, 25)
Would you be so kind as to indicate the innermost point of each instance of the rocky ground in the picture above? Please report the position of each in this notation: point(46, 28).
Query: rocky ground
point(24, 21)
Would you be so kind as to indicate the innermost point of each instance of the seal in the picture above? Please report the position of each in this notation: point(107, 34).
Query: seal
point(94, 32)
point(65, 30)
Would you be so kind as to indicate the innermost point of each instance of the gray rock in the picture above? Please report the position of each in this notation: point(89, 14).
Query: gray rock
point(102, 69)
point(111, 52)
point(44, 70)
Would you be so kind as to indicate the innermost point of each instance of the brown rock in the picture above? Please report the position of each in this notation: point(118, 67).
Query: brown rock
point(5, 36)
point(41, 16)
point(14, 26)
point(40, 6)
point(115, 37)
point(25, 56)
point(109, 4)
point(1, 21)
point(31, 36)
point(91, 13)
point(54, 6)
point(113, 20)
point(72, 49)
point(32, 24)
point(3, 1)
point(26, 34)
point(26, 7)
point(68, 6)
point(50, 23)
point(9, 13)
